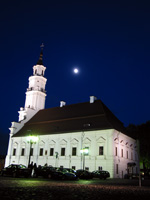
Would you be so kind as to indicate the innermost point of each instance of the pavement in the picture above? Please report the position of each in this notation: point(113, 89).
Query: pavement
point(45, 189)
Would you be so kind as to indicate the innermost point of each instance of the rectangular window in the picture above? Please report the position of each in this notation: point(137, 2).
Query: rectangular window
point(41, 151)
point(62, 151)
point(51, 151)
point(14, 152)
point(131, 156)
point(116, 151)
point(101, 150)
point(22, 151)
point(74, 151)
point(31, 152)
point(117, 169)
point(74, 167)
point(121, 152)
point(127, 154)
point(100, 168)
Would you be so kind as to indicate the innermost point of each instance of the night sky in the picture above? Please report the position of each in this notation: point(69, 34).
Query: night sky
point(108, 41)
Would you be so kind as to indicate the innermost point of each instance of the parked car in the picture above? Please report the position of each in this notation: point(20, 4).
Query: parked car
point(71, 170)
point(15, 170)
point(84, 174)
point(101, 174)
point(131, 176)
point(144, 174)
point(63, 174)
point(44, 171)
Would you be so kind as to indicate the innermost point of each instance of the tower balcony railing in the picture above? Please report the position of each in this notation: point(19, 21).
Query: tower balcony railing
point(36, 89)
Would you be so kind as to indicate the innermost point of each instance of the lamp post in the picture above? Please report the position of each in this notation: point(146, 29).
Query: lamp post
point(31, 140)
point(56, 159)
point(84, 152)
point(138, 152)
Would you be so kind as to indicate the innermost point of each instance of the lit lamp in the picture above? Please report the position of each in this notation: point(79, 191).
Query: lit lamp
point(31, 140)
point(84, 152)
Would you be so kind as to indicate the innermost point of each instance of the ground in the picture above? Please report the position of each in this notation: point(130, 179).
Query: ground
point(43, 189)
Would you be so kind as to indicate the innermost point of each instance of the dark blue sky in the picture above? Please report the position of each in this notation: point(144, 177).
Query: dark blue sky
point(109, 41)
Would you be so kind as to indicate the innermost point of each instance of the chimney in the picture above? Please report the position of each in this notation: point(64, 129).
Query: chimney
point(92, 99)
point(62, 103)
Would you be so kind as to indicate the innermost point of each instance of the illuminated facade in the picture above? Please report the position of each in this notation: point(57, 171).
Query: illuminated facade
point(63, 132)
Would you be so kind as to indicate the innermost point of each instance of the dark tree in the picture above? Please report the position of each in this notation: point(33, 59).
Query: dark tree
point(142, 133)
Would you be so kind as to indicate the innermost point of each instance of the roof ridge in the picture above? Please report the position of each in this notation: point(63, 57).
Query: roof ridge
point(65, 119)
point(67, 105)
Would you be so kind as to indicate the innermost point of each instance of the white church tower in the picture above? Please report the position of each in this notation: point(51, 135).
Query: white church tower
point(35, 95)
point(34, 101)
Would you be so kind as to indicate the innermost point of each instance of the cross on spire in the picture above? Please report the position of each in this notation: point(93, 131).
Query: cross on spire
point(40, 61)
point(42, 46)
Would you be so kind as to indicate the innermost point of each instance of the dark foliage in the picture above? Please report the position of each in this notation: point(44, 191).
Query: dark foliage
point(142, 133)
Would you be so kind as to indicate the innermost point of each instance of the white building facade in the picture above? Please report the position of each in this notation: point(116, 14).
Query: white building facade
point(108, 150)
point(64, 131)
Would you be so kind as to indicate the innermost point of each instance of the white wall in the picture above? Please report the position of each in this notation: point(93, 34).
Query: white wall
point(124, 144)
point(91, 139)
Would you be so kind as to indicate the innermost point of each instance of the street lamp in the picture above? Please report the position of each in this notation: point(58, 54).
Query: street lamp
point(84, 152)
point(56, 158)
point(31, 140)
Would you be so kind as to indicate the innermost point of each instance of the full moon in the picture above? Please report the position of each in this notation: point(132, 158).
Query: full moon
point(76, 70)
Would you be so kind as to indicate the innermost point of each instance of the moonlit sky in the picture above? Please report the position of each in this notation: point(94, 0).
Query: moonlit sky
point(108, 41)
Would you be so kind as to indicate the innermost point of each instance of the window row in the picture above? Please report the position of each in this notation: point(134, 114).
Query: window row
point(122, 154)
point(62, 152)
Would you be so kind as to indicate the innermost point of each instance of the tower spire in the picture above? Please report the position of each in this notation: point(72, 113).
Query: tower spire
point(40, 61)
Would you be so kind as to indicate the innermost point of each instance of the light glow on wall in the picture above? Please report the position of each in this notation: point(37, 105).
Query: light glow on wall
point(85, 151)
point(32, 139)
